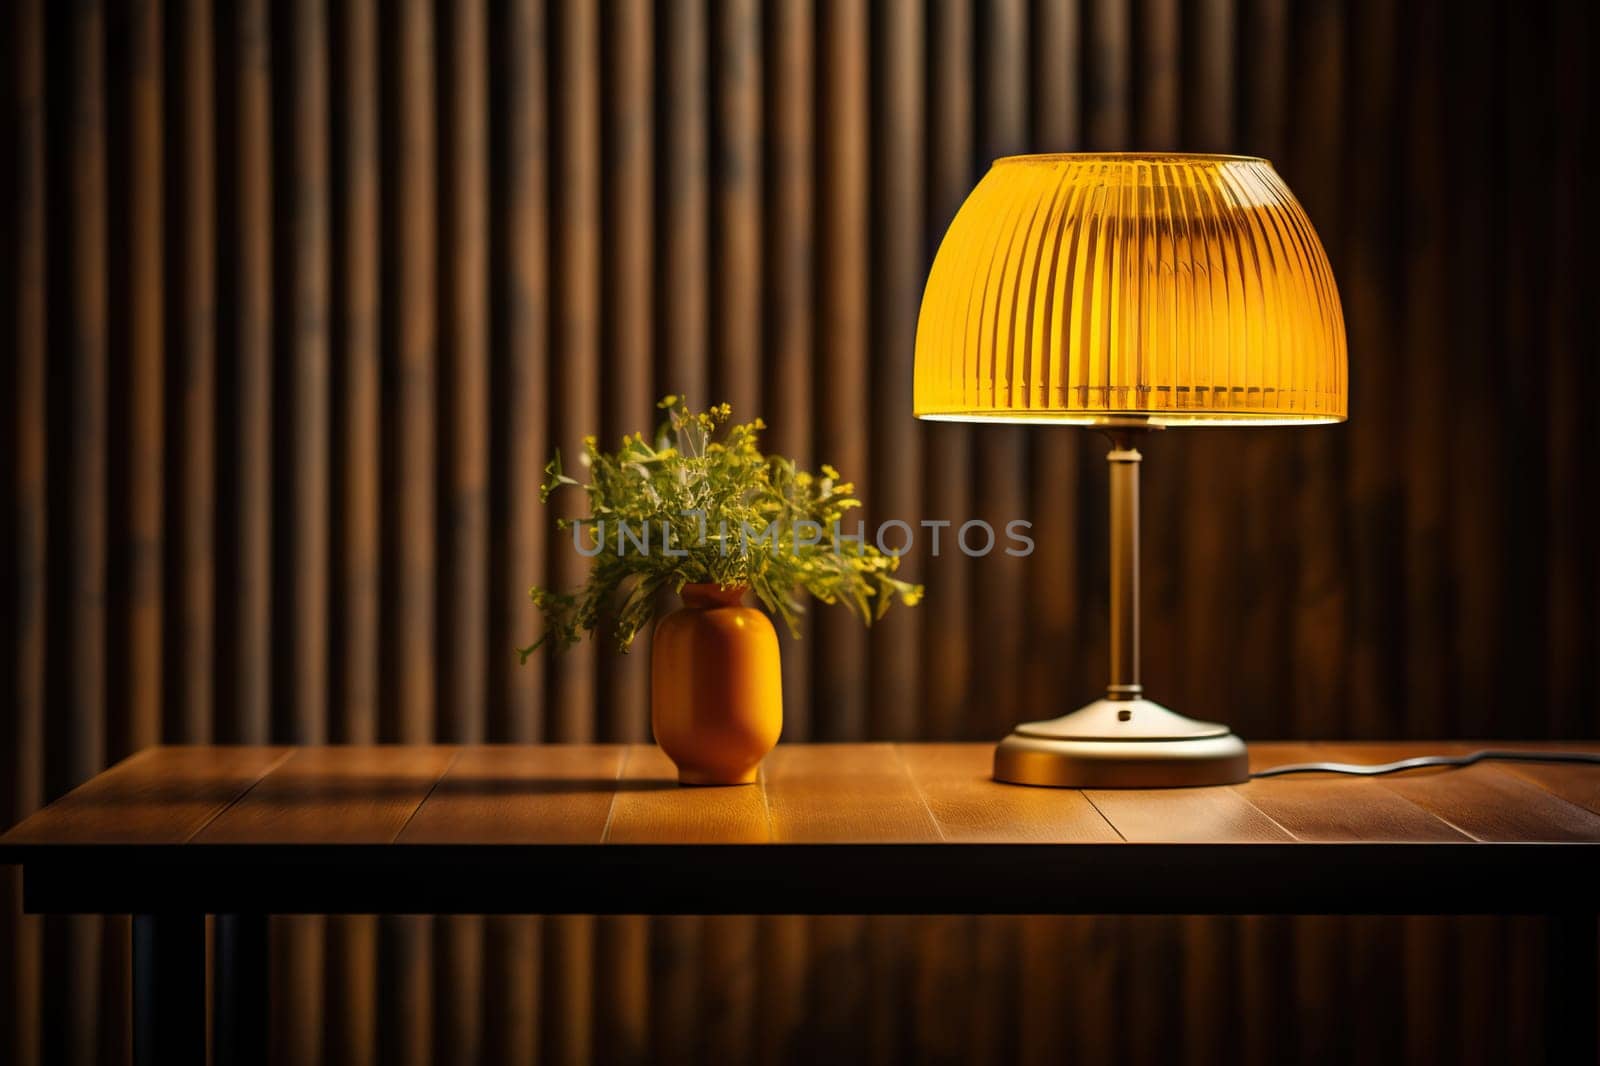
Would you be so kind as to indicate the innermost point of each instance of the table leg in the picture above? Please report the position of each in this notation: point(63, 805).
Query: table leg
point(1573, 989)
point(169, 989)
point(240, 989)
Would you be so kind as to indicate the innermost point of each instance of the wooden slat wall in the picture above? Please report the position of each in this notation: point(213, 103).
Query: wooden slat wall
point(297, 299)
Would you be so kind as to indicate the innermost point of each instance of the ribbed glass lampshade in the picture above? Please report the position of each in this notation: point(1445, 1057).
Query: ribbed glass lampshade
point(1131, 288)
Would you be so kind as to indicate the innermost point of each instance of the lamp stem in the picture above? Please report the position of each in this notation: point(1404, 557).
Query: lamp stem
point(1124, 459)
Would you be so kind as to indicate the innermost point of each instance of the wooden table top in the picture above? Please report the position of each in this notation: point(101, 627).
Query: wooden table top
point(846, 828)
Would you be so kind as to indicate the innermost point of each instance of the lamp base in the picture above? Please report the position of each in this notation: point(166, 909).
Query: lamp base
point(1121, 743)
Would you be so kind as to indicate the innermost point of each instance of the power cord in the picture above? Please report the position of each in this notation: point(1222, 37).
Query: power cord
point(1375, 769)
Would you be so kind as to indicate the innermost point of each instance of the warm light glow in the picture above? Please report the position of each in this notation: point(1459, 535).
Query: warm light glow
point(1137, 288)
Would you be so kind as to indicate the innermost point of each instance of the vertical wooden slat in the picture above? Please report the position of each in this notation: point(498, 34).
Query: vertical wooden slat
point(839, 999)
point(297, 989)
point(1527, 955)
point(360, 453)
point(1485, 1016)
point(250, 480)
point(1164, 523)
point(675, 988)
point(24, 724)
point(1095, 946)
point(622, 1007)
point(194, 351)
point(1266, 458)
point(948, 484)
point(20, 975)
point(1428, 1032)
point(790, 248)
point(890, 938)
point(682, 366)
point(1210, 113)
point(512, 946)
point(1213, 484)
point(465, 574)
point(459, 990)
point(736, 348)
point(1000, 496)
point(463, 710)
point(405, 1007)
point(416, 353)
point(1522, 395)
point(352, 984)
point(780, 987)
point(898, 270)
point(1572, 569)
point(146, 386)
point(736, 380)
point(86, 541)
point(941, 1007)
point(569, 945)
point(1107, 124)
point(1259, 943)
point(511, 1001)
point(1205, 985)
point(1428, 580)
point(1052, 680)
point(1044, 988)
point(1374, 967)
point(627, 402)
point(727, 963)
point(310, 446)
point(524, 400)
point(406, 1012)
point(628, 399)
point(840, 667)
point(1262, 1018)
point(76, 1030)
point(568, 1014)
point(1108, 88)
point(1474, 520)
point(297, 1007)
point(1372, 490)
point(86, 534)
point(994, 991)
point(27, 432)
point(1160, 85)
point(575, 385)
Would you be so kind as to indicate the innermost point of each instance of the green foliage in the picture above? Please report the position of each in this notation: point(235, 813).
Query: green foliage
point(699, 479)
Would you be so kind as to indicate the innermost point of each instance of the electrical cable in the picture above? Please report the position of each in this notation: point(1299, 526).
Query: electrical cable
point(1375, 769)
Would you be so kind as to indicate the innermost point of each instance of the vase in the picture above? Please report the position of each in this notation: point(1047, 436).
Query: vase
point(716, 692)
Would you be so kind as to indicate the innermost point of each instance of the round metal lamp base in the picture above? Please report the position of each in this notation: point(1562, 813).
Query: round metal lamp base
point(1121, 743)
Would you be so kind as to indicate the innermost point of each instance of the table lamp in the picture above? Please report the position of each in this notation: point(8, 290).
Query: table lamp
point(1129, 291)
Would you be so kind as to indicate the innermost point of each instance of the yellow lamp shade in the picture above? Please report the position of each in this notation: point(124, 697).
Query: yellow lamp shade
point(1132, 289)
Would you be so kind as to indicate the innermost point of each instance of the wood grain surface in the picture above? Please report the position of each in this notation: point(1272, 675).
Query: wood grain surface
point(333, 795)
point(506, 794)
point(160, 796)
point(807, 793)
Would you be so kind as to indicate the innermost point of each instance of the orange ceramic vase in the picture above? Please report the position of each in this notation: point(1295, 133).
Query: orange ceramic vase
point(716, 694)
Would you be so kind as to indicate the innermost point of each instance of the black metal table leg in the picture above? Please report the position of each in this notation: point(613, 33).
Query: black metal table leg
point(1573, 988)
point(240, 990)
point(169, 989)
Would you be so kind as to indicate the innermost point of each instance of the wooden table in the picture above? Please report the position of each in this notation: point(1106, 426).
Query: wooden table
point(173, 834)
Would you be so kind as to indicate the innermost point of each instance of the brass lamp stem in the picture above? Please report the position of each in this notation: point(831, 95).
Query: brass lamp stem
point(1124, 459)
point(1124, 740)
